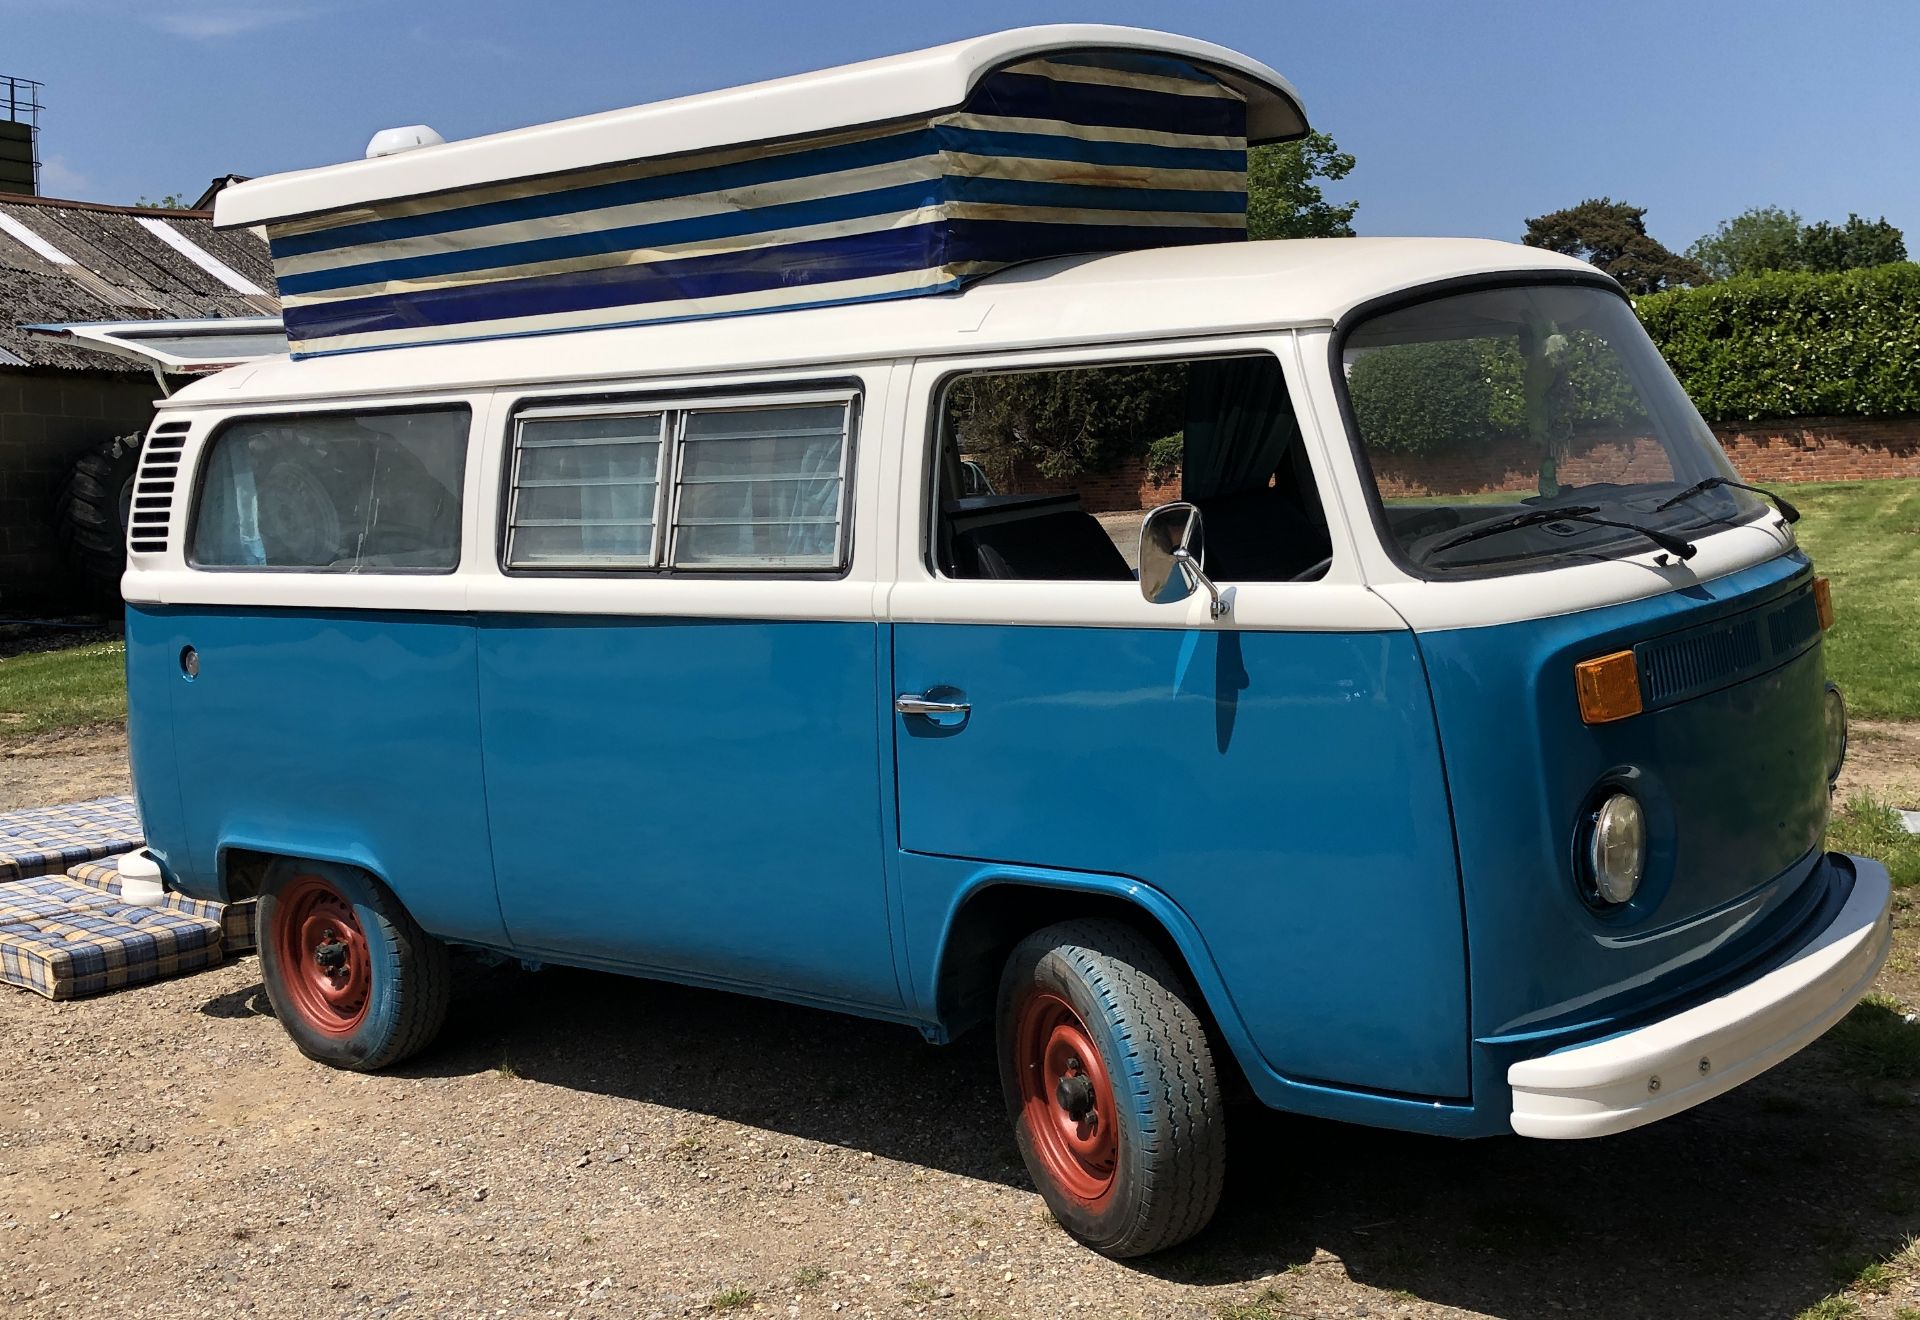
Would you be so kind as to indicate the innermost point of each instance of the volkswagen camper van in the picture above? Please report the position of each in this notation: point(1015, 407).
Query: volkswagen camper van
point(699, 542)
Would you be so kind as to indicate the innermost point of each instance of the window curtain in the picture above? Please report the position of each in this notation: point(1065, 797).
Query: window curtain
point(227, 526)
point(1240, 425)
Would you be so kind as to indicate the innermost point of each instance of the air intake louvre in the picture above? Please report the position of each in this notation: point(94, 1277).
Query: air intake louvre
point(1675, 669)
point(1670, 669)
point(153, 489)
point(1794, 623)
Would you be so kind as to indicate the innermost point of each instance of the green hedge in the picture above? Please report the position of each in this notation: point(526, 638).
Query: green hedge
point(1434, 396)
point(1795, 345)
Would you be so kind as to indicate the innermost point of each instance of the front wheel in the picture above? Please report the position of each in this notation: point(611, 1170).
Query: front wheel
point(1111, 1086)
point(350, 974)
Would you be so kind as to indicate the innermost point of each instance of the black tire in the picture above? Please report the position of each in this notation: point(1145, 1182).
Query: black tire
point(350, 974)
point(1168, 1150)
point(91, 516)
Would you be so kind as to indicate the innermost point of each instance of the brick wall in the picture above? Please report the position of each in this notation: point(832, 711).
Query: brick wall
point(1791, 449)
point(1125, 487)
point(1794, 449)
point(48, 418)
point(1823, 448)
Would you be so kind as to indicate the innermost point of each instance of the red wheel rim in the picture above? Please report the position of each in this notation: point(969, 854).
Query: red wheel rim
point(323, 956)
point(1066, 1099)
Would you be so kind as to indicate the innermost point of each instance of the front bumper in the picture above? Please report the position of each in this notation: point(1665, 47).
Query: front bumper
point(1640, 1076)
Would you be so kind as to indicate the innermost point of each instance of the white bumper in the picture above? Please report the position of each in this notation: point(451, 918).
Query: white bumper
point(1639, 1076)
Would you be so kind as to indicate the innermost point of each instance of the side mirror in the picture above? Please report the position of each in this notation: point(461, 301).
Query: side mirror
point(1172, 552)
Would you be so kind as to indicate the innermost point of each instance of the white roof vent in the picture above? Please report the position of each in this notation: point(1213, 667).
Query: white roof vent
point(393, 141)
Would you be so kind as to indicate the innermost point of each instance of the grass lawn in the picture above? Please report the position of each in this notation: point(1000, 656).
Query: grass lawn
point(1871, 829)
point(42, 691)
point(1865, 536)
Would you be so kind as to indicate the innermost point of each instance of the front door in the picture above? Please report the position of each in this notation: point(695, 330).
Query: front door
point(1275, 773)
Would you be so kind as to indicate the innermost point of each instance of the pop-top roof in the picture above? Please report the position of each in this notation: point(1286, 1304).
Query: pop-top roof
point(916, 84)
point(898, 178)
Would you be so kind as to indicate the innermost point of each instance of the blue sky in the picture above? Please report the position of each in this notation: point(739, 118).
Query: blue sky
point(1466, 117)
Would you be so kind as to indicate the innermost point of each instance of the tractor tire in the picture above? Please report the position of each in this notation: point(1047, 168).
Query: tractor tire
point(92, 513)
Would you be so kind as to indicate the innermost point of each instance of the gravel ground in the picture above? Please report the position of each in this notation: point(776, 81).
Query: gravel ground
point(69, 766)
point(587, 1145)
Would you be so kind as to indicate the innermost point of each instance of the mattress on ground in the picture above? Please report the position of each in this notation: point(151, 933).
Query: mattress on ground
point(66, 941)
point(237, 920)
point(47, 840)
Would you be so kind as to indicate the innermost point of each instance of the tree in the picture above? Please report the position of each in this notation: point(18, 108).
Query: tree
point(1066, 422)
point(1760, 238)
point(171, 202)
point(1825, 247)
point(1767, 238)
point(1613, 236)
point(1284, 199)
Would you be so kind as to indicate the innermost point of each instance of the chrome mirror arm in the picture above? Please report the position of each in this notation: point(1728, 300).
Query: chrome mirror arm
point(1220, 602)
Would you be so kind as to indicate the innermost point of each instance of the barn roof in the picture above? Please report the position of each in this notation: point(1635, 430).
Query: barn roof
point(84, 261)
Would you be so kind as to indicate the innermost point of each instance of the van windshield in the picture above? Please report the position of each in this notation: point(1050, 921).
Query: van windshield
point(1484, 408)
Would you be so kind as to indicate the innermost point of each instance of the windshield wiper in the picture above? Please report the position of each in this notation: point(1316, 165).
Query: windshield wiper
point(1582, 513)
point(1787, 510)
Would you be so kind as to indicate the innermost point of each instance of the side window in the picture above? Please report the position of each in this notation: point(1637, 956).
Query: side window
point(333, 492)
point(586, 491)
point(708, 486)
point(1048, 474)
point(761, 487)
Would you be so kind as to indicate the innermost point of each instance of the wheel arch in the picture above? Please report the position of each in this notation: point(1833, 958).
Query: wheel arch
point(244, 865)
point(999, 907)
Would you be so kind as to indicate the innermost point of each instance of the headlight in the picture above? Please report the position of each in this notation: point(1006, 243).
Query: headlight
point(1617, 848)
point(1836, 733)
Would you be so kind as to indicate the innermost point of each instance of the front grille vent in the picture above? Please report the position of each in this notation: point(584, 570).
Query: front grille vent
point(1692, 664)
point(153, 488)
point(1794, 624)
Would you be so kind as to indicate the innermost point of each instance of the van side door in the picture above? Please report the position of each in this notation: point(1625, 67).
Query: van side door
point(679, 687)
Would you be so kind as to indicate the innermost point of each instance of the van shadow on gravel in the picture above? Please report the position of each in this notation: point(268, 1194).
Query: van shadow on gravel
point(1759, 1204)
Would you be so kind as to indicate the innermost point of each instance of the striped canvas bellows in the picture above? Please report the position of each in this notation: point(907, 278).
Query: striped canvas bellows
point(65, 940)
point(1050, 157)
point(47, 840)
point(238, 921)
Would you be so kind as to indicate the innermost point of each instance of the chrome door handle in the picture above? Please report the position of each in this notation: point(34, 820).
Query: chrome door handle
point(913, 703)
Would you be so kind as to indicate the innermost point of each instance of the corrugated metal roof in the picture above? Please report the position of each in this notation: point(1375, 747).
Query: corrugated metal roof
point(92, 262)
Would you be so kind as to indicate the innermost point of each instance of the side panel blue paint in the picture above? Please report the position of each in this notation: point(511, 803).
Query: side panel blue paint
point(1284, 790)
point(955, 881)
point(153, 670)
point(699, 797)
point(336, 734)
point(1735, 790)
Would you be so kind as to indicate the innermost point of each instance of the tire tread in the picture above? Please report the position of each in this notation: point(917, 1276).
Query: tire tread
point(1181, 1165)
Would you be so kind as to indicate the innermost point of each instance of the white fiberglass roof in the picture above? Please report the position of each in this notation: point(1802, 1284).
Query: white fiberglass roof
point(896, 87)
point(1154, 293)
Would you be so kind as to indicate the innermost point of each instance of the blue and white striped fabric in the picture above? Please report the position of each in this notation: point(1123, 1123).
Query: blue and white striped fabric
point(1047, 158)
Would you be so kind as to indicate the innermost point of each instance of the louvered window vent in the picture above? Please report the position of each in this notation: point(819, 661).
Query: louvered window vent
point(153, 488)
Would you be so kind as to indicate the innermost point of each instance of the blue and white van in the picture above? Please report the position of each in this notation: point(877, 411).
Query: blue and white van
point(655, 556)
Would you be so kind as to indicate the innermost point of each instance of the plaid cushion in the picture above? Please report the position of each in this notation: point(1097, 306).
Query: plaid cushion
point(50, 894)
point(237, 920)
point(79, 942)
point(47, 840)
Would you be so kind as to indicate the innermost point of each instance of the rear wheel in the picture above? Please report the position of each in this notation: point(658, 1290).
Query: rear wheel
point(1111, 1086)
point(351, 975)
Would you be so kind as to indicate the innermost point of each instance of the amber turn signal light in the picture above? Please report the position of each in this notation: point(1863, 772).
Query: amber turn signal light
point(1609, 687)
point(1823, 602)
